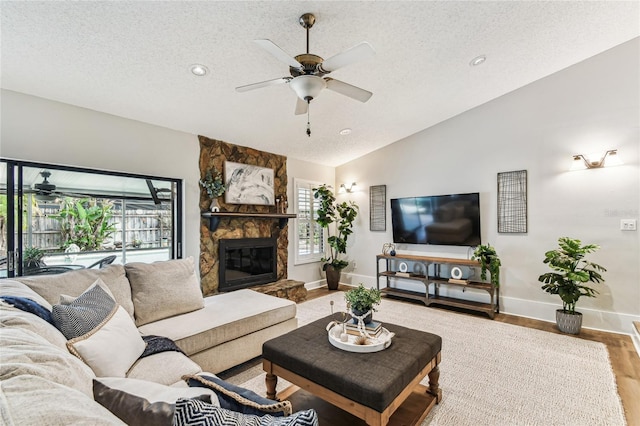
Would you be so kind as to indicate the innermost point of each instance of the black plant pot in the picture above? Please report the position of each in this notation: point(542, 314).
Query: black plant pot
point(367, 319)
point(333, 277)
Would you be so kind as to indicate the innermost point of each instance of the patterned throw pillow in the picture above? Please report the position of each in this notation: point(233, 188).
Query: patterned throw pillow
point(101, 333)
point(85, 313)
point(192, 412)
point(238, 399)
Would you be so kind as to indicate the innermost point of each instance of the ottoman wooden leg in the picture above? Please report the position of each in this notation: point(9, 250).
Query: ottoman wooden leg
point(434, 389)
point(271, 380)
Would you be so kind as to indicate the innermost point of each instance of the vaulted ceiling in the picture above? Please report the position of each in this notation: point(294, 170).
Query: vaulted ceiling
point(133, 58)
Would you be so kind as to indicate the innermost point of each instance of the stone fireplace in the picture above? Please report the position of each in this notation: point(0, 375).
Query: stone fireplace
point(213, 154)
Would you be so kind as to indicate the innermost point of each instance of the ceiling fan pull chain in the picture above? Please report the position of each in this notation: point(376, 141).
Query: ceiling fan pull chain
point(308, 119)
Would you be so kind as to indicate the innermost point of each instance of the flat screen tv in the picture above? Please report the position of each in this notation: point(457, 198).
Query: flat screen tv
point(452, 220)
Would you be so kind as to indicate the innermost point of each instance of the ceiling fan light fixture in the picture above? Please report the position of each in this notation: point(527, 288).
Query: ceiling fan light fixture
point(307, 87)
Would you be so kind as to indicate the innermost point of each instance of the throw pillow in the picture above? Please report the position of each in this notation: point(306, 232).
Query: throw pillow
point(192, 412)
point(66, 299)
point(30, 306)
point(85, 313)
point(164, 289)
point(101, 332)
point(140, 402)
point(236, 398)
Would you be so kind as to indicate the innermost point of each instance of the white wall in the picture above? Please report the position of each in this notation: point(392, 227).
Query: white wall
point(590, 107)
point(310, 273)
point(40, 130)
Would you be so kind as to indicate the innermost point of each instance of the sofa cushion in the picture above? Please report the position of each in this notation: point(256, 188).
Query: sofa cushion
point(27, 305)
point(32, 400)
point(101, 332)
point(16, 288)
point(26, 353)
point(74, 283)
point(166, 368)
point(191, 412)
point(164, 289)
point(217, 323)
point(141, 403)
point(15, 318)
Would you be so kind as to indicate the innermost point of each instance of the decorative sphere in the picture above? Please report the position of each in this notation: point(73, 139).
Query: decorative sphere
point(392, 252)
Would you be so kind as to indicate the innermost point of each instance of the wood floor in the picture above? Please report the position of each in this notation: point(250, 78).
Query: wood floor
point(622, 353)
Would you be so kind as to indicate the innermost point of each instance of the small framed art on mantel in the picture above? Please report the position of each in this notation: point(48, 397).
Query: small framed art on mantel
point(248, 184)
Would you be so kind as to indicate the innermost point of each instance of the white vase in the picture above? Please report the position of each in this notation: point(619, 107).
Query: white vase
point(214, 207)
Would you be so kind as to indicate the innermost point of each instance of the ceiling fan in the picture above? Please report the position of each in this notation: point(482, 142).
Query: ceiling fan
point(308, 71)
point(47, 191)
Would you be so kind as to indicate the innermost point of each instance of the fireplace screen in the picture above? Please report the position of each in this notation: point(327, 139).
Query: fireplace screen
point(246, 262)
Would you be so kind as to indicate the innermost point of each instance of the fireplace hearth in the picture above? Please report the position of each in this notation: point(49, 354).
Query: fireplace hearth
point(247, 262)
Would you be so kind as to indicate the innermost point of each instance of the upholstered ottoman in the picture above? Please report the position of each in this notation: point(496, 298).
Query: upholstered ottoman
point(370, 386)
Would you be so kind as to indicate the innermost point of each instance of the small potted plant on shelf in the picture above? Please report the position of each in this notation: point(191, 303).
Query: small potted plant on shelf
point(343, 215)
point(489, 261)
point(215, 187)
point(361, 300)
point(571, 273)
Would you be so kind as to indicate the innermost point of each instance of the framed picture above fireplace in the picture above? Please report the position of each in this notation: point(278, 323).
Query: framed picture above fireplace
point(248, 184)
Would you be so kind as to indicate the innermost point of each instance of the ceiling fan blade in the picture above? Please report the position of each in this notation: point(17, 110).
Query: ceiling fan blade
point(279, 54)
point(301, 106)
point(356, 53)
point(348, 90)
point(263, 84)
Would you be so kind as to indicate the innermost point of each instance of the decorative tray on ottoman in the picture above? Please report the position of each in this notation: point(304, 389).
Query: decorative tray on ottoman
point(375, 344)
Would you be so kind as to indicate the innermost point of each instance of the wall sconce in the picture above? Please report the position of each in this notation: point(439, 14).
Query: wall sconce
point(351, 188)
point(580, 162)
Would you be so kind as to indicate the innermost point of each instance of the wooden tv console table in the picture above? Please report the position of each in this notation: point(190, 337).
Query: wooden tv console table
point(437, 280)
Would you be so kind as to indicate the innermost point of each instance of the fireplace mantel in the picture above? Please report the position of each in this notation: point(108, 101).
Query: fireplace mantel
point(214, 217)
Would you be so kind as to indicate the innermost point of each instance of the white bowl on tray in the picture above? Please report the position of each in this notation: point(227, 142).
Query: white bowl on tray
point(383, 341)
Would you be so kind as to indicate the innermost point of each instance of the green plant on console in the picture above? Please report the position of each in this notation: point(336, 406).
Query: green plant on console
point(489, 261)
point(343, 215)
point(362, 299)
point(570, 272)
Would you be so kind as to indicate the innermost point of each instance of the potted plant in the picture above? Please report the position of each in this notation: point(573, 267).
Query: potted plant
point(32, 258)
point(361, 300)
point(571, 273)
point(489, 261)
point(215, 187)
point(343, 215)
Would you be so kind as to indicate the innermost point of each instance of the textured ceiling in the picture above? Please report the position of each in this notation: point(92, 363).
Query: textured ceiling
point(132, 58)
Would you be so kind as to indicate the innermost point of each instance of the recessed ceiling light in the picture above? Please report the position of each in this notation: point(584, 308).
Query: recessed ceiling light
point(478, 60)
point(345, 132)
point(199, 70)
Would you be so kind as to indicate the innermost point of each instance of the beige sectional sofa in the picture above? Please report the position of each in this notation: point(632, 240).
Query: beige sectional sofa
point(41, 382)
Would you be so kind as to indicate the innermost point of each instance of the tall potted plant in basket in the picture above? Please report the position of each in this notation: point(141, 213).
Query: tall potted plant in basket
point(571, 273)
point(215, 187)
point(343, 215)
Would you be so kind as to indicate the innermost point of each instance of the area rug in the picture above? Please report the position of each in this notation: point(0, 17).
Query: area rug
point(499, 374)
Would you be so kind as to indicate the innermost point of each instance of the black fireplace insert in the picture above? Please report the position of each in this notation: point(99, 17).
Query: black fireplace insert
point(247, 262)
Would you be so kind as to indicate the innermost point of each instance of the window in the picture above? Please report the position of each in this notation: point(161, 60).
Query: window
point(309, 242)
point(73, 218)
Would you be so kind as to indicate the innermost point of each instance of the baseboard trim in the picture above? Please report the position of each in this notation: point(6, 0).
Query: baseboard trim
point(594, 319)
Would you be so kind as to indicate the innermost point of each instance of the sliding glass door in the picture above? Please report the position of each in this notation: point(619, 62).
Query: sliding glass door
point(55, 219)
